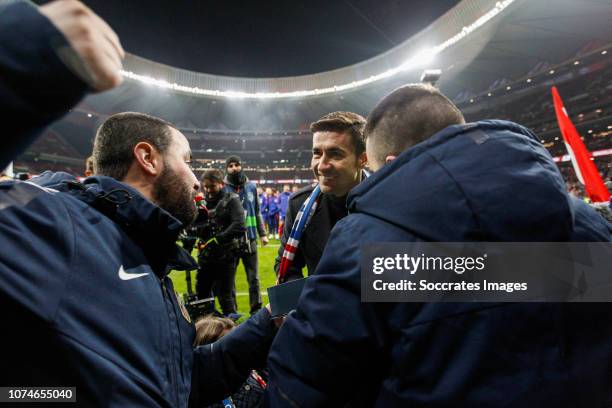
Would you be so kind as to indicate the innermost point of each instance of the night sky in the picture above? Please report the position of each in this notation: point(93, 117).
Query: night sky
point(266, 38)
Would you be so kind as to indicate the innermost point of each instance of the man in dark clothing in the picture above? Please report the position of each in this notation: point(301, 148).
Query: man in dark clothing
point(220, 229)
point(237, 182)
point(338, 158)
point(84, 291)
point(437, 178)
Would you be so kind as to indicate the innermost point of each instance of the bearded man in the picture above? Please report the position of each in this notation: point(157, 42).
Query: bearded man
point(84, 274)
point(237, 182)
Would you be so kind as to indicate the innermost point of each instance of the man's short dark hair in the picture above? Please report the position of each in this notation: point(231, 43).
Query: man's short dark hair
point(407, 116)
point(343, 122)
point(115, 140)
point(214, 175)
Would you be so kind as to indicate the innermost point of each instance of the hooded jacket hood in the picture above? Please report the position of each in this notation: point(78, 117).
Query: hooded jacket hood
point(484, 181)
point(152, 226)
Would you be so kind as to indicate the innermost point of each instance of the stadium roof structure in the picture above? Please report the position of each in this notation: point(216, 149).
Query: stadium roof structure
point(480, 46)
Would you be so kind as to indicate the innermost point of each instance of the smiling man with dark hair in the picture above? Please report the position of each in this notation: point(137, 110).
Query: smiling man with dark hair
point(338, 159)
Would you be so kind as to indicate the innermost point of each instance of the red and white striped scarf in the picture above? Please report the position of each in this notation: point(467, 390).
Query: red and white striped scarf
point(302, 219)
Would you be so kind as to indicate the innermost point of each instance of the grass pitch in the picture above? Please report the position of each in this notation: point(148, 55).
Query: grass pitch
point(267, 277)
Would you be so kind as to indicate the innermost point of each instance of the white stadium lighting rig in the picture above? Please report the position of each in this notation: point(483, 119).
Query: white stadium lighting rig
point(418, 60)
point(431, 76)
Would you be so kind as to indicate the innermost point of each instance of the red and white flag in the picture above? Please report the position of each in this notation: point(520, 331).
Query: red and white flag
point(581, 158)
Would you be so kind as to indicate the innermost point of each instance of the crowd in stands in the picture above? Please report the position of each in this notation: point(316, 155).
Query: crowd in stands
point(285, 155)
point(588, 98)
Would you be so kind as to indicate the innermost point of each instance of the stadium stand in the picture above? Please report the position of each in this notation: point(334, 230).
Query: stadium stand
point(273, 138)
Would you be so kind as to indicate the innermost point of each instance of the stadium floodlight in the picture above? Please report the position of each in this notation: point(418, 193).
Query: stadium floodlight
point(431, 76)
point(419, 60)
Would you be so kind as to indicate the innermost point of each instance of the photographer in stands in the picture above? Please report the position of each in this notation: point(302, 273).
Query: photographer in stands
point(221, 231)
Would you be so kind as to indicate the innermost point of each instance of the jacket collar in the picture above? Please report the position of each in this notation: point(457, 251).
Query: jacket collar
point(153, 228)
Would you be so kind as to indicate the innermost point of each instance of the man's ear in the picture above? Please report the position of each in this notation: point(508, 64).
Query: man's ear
point(363, 160)
point(148, 159)
point(390, 158)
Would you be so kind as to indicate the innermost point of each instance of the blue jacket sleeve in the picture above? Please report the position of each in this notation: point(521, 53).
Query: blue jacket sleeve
point(220, 368)
point(36, 88)
point(331, 346)
point(36, 237)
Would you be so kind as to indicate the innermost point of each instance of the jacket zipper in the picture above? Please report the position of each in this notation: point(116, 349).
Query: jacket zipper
point(177, 321)
point(173, 363)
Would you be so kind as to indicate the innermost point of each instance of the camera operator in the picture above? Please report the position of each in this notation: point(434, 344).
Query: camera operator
point(220, 228)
